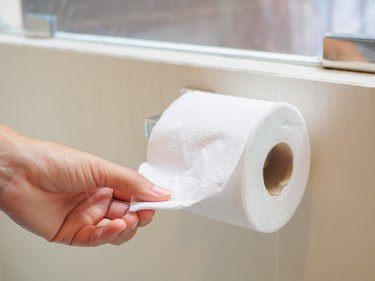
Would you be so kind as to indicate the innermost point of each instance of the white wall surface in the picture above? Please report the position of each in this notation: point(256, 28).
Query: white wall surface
point(98, 103)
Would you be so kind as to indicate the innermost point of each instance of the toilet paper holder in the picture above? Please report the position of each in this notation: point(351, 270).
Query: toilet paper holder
point(151, 121)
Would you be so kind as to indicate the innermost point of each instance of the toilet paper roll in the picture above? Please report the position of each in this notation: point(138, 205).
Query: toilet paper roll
point(237, 160)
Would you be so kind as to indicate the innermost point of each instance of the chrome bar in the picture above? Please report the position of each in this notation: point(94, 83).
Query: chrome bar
point(39, 25)
point(349, 52)
point(150, 122)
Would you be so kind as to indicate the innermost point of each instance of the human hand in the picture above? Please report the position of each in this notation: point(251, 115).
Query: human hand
point(68, 196)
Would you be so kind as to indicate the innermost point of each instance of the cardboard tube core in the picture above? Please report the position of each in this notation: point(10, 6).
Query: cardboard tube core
point(278, 168)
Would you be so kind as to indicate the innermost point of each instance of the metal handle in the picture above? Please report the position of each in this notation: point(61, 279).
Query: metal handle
point(40, 25)
point(349, 52)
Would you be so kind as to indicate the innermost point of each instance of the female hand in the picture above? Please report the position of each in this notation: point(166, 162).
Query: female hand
point(68, 196)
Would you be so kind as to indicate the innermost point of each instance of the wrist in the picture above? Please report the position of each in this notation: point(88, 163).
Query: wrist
point(10, 155)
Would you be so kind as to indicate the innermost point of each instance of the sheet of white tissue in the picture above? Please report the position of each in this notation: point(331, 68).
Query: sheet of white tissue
point(209, 150)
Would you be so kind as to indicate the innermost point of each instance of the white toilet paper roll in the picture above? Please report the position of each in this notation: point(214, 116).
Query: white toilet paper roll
point(237, 160)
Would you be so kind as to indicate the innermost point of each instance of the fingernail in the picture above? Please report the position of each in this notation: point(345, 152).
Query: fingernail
point(144, 223)
point(134, 226)
point(161, 191)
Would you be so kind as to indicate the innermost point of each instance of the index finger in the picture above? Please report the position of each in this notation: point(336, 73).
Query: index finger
point(126, 181)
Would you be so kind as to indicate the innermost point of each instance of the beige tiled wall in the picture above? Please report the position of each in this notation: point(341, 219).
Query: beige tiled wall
point(98, 104)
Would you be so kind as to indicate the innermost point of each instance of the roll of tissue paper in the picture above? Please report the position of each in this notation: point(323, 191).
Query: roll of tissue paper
point(237, 160)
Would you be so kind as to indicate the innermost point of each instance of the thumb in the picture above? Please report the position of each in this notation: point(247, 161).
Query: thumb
point(129, 182)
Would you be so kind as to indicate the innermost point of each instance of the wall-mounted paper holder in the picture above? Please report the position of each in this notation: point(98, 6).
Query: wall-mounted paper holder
point(150, 122)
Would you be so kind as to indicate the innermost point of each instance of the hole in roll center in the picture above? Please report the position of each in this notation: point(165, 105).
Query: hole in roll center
point(277, 168)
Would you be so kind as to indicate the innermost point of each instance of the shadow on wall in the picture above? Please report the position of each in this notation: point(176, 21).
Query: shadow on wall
point(226, 251)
